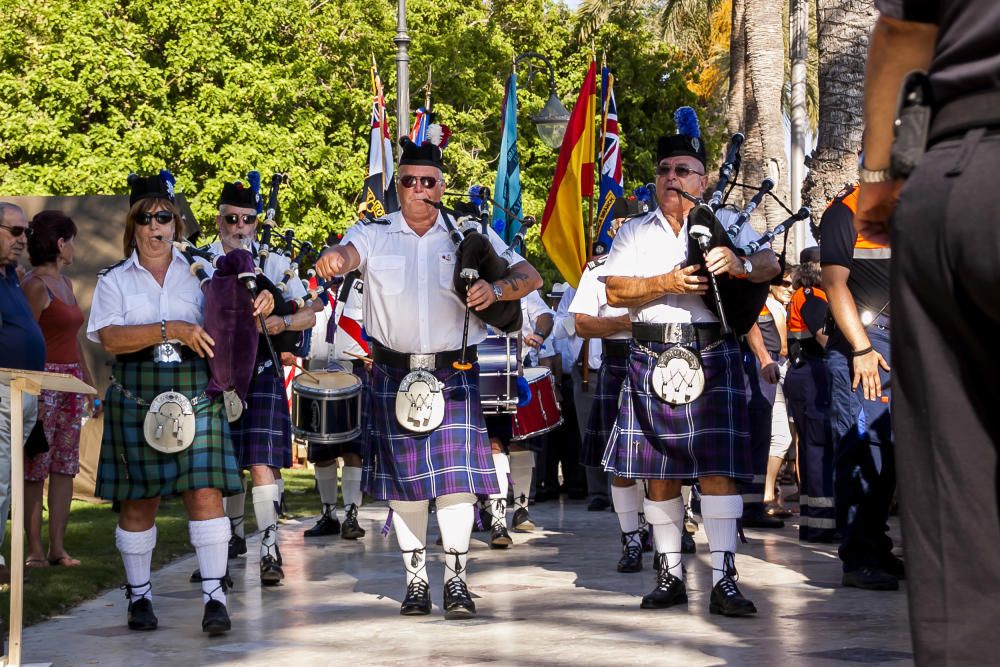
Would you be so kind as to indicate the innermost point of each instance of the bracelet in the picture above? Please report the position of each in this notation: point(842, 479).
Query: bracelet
point(539, 334)
point(163, 330)
point(861, 353)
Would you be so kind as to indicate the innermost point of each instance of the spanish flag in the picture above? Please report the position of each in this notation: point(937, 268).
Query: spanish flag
point(562, 222)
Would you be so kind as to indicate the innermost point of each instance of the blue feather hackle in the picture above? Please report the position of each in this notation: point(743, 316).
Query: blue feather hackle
point(169, 179)
point(687, 122)
point(476, 195)
point(253, 177)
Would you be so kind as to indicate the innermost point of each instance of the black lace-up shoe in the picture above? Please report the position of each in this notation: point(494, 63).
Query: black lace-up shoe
point(870, 578)
point(458, 604)
point(237, 546)
point(521, 521)
point(141, 616)
point(418, 599)
point(669, 589)
point(631, 560)
point(271, 573)
point(328, 524)
point(687, 543)
point(216, 619)
point(351, 530)
point(499, 537)
point(726, 596)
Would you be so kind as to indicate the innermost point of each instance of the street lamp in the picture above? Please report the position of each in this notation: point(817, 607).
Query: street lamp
point(551, 120)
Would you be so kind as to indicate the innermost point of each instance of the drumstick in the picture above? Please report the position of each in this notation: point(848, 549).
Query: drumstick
point(305, 372)
point(362, 357)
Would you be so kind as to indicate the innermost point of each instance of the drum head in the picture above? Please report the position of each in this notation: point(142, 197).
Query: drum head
point(327, 382)
point(536, 373)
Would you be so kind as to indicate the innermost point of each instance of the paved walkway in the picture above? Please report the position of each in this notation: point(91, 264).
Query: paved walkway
point(553, 599)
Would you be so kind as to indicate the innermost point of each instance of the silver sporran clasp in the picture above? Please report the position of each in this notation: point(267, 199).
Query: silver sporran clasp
point(169, 426)
point(678, 377)
point(166, 353)
point(420, 402)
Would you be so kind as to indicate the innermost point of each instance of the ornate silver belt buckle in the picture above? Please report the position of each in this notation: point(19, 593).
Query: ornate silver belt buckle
point(420, 401)
point(166, 353)
point(422, 362)
point(678, 377)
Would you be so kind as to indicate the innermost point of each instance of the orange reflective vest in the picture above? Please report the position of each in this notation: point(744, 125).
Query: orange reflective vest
point(796, 325)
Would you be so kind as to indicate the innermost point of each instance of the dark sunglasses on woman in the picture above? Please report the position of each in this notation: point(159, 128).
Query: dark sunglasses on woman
point(409, 181)
point(161, 217)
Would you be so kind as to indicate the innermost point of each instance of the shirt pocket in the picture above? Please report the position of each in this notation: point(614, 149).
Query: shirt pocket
point(446, 269)
point(140, 309)
point(387, 274)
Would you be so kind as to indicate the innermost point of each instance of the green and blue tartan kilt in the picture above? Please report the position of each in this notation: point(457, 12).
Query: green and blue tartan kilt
point(129, 469)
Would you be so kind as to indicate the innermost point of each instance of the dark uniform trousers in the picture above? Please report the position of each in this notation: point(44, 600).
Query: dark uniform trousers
point(946, 311)
point(760, 405)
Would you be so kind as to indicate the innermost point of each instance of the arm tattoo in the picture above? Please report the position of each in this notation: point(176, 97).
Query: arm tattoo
point(514, 280)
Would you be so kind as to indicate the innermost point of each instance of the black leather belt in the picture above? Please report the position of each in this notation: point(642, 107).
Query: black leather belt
point(615, 348)
point(678, 333)
point(146, 354)
point(430, 361)
point(980, 109)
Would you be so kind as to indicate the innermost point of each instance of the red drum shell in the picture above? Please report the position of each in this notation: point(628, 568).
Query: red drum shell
point(542, 413)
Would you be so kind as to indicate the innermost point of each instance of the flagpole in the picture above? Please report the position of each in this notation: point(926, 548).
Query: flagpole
point(379, 96)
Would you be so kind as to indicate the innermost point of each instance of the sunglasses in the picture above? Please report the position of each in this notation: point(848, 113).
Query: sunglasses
point(786, 283)
point(427, 182)
point(16, 232)
point(234, 218)
point(681, 170)
point(161, 217)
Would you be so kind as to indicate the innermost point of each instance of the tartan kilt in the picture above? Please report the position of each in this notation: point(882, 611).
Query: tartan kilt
point(262, 436)
point(129, 469)
point(453, 458)
point(603, 410)
point(327, 451)
point(709, 437)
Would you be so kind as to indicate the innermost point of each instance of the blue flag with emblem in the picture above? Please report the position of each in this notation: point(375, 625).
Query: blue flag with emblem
point(612, 186)
point(507, 189)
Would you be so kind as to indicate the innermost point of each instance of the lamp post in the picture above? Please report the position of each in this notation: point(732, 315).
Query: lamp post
point(551, 120)
point(402, 41)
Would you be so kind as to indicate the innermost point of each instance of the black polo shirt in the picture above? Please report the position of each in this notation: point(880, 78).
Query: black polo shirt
point(869, 279)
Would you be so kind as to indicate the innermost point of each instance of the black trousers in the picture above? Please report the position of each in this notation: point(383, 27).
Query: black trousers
point(761, 407)
point(946, 319)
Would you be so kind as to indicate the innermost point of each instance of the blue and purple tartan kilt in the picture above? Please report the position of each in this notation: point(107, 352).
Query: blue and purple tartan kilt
point(709, 437)
point(604, 409)
point(263, 435)
point(453, 458)
point(129, 469)
point(320, 452)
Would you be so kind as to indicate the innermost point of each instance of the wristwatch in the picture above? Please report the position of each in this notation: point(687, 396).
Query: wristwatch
point(497, 291)
point(747, 266)
point(287, 319)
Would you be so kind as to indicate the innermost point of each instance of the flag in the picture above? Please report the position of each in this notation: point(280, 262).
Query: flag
point(418, 133)
point(507, 189)
point(562, 221)
point(611, 186)
point(379, 193)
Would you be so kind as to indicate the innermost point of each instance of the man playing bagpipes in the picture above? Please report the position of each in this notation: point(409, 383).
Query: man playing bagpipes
point(428, 438)
point(683, 409)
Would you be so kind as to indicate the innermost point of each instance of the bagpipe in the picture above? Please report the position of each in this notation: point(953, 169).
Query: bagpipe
point(736, 302)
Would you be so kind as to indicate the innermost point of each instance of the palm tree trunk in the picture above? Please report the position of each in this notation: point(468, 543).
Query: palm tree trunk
point(843, 28)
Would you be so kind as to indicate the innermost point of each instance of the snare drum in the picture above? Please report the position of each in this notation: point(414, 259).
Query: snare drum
point(542, 413)
point(498, 374)
point(326, 407)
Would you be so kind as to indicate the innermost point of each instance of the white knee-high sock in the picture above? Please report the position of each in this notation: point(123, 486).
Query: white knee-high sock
point(235, 506)
point(351, 485)
point(281, 486)
point(667, 519)
point(522, 465)
point(455, 517)
point(326, 481)
point(210, 539)
point(627, 505)
point(265, 509)
point(409, 520)
point(719, 514)
point(498, 501)
point(136, 549)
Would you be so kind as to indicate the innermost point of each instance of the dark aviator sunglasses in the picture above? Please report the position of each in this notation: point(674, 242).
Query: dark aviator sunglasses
point(409, 181)
point(234, 218)
point(161, 217)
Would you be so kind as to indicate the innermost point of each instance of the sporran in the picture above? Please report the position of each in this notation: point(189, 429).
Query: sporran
point(678, 377)
point(169, 426)
point(420, 402)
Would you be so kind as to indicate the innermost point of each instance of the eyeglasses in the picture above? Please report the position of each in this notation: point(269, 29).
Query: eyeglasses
point(161, 217)
point(16, 232)
point(427, 182)
point(786, 283)
point(681, 170)
point(234, 218)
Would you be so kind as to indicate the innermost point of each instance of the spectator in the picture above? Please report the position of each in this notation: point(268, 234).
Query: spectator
point(50, 295)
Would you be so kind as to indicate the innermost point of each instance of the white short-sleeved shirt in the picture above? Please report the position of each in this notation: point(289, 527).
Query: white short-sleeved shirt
point(647, 246)
point(128, 295)
point(343, 343)
point(274, 269)
point(410, 304)
point(565, 340)
point(533, 307)
point(592, 298)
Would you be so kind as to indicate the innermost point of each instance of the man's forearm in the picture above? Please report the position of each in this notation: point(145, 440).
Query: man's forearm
point(765, 266)
point(845, 314)
point(755, 341)
point(520, 279)
point(544, 324)
point(303, 319)
point(630, 292)
point(588, 326)
point(896, 48)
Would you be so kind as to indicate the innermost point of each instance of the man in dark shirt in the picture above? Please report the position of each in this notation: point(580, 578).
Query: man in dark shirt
point(945, 277)
point(21, 345)
point(856, 281)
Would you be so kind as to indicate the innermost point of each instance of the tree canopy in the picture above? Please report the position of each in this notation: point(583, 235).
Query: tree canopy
point(210, 89)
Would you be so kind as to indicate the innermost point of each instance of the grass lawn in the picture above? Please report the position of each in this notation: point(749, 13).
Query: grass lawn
point(91, 538)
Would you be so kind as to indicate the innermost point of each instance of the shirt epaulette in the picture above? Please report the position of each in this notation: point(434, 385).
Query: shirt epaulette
point(103, 272)
point(374, 221)
point(594, 263)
